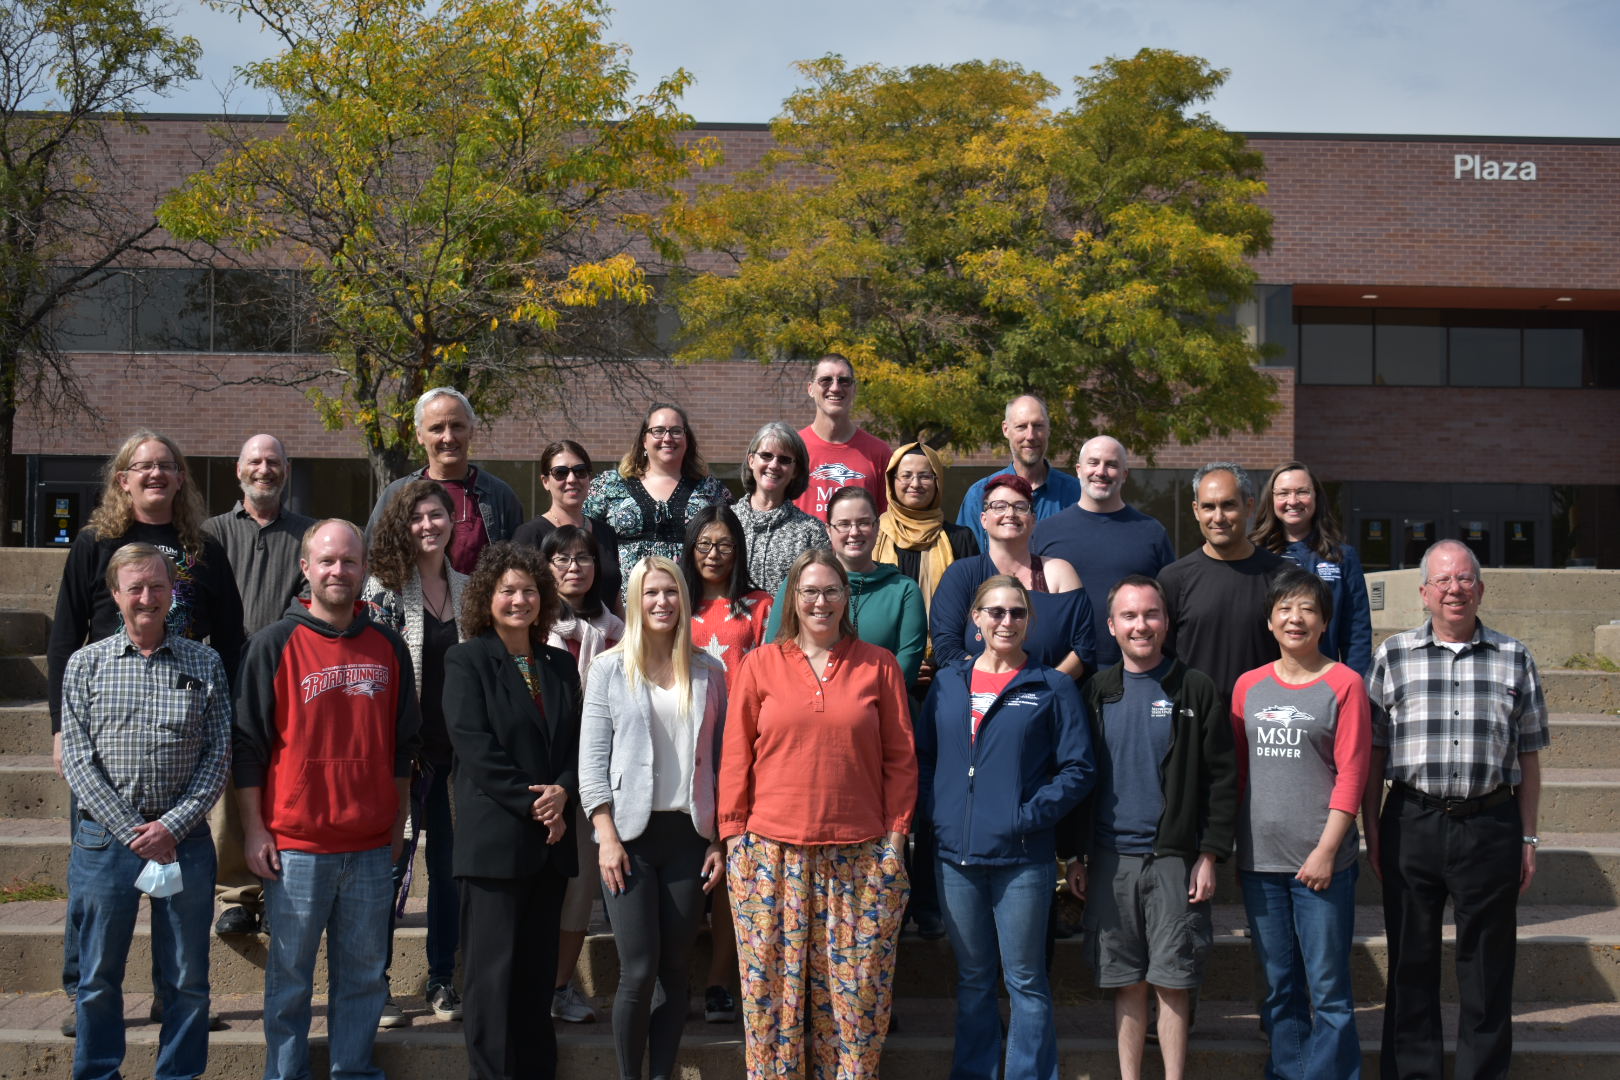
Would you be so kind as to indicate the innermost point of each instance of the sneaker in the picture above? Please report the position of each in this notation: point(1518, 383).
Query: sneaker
point(718, 1008)
point(444, 1001)
point(392, 1016)
point(70, 1026)
point(236, 920)
point(569, 1005)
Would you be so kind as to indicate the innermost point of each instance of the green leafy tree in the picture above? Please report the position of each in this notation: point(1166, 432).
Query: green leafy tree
point(69, 72)
point(963, 242)
point(462, 183)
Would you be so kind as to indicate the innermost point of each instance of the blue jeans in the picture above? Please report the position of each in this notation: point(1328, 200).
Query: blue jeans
point(432, 817)
point(996, 918)
point(1302, 938)
point(347, 896)
point(103, 904)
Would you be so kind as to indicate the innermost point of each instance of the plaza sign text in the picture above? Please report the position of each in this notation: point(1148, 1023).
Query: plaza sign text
point(1470, 167)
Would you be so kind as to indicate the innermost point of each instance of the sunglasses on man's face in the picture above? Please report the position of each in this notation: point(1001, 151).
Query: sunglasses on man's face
point(560, 473)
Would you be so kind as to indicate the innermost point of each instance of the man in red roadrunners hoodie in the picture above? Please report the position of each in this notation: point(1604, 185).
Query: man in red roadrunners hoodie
point(326, 727)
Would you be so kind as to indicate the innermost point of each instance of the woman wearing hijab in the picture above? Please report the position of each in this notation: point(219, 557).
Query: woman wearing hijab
point(912, 532)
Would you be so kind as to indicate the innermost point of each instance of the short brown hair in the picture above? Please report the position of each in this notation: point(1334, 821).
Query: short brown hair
point(493, 563)
point(129, 555)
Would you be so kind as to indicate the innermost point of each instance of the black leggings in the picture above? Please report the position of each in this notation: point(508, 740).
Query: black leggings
point(655, 921)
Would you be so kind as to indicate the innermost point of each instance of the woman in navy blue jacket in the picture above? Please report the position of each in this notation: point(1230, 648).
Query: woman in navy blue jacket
point(1005, 752)
point(1297, 522)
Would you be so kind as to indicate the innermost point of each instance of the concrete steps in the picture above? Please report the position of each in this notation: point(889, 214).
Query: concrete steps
point(1567, 954)
point(1552, 1040)
point(1579, 691)
point(23, 677)
point(1579, 869)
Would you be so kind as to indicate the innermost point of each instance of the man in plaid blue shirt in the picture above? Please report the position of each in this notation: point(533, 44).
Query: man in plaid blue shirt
point(1459, 721)
point(146, 722)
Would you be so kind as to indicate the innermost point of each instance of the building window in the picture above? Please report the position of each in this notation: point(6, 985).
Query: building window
point(1336, 347)
point(1423, 347)
point(1552, 357)
point(1410, 349)
point(1485, 356)
point(188, 310)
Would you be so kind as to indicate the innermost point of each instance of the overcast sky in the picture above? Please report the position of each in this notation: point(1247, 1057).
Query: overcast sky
point(1442, 67)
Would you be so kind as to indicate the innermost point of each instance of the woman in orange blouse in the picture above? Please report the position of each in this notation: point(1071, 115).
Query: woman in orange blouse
point(817, 783)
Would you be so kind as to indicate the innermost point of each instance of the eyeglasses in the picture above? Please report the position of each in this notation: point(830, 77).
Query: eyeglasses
point(563, 562)
point(858, 525)
point(1465, 582)
point(676, 432)
point(144, 467)
point(768, 458)
point(1002, 506)
point(560, 473)
point(914, 478)
point(996, 614)
point(826, 382)
point(718, 547)
point(832, 594)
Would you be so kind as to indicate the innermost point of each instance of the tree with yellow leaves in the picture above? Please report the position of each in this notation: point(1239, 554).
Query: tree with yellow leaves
point(462, 183)
point(965, 242)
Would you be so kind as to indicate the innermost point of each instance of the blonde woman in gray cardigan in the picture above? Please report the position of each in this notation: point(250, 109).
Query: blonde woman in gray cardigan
point(649, 745)
point(414, 589)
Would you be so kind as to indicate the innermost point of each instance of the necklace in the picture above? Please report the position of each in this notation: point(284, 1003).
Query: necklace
point(824, 657)
point(437, 610)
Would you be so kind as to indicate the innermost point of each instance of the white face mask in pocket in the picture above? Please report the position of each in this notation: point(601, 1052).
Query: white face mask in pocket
point(159, 879)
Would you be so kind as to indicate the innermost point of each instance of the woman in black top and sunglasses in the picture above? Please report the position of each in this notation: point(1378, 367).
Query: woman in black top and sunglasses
point(565, 470)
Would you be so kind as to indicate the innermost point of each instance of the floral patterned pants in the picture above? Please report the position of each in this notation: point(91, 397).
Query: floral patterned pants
point(818, 926)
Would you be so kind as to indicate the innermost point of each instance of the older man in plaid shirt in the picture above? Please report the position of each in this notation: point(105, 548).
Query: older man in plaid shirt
point(146, 721)
point(1458, 723)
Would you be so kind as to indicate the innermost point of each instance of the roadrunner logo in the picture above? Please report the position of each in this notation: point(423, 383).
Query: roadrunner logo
point(1286, 715)
point(355, 680)
point(837, 472)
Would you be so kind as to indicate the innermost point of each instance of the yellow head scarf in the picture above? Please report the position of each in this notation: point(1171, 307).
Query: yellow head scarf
point(919, 530)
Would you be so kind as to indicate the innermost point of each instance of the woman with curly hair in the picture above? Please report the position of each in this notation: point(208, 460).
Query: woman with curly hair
point(656, 489)
point(414, 589)
point(1297, 522)
point(512, 705)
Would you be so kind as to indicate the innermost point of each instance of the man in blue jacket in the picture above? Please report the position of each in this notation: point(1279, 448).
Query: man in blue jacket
point(1027, 428)
point(1162, 816)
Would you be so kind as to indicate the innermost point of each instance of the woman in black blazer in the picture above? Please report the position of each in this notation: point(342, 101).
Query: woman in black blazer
point(512, 707)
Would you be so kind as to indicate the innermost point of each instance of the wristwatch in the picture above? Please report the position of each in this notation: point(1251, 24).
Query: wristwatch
point(1533, 841)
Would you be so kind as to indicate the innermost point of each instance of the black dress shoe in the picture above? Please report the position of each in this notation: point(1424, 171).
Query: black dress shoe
point(236, 920)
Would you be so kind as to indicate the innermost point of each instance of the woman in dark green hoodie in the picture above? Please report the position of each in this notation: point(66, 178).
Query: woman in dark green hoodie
point(885, 605)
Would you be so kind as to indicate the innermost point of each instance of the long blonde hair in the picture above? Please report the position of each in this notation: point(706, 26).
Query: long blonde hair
point(636, 641)
point(116, 512)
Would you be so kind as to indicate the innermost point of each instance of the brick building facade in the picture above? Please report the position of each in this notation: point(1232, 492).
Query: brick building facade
point(1450, 357)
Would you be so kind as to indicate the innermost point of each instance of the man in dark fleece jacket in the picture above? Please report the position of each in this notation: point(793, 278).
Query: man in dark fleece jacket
point(326, 727)
point(1162, 814)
